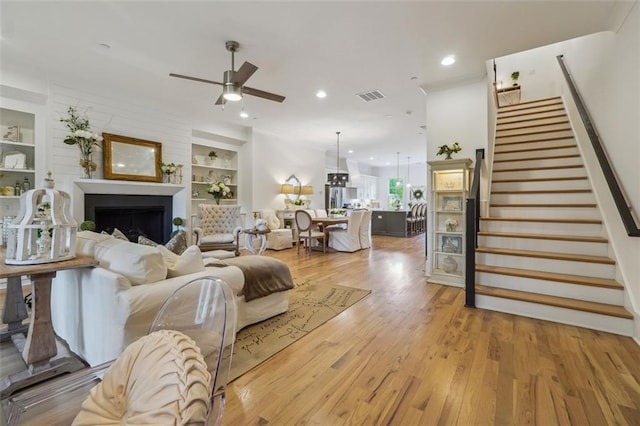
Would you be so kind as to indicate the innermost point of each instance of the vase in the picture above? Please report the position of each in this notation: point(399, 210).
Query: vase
point(449, 265)
point(448, 157)
point(88, 166)
point(451, 228)
point(217, 200)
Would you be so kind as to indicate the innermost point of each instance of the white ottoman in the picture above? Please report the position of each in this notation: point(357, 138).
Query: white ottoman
point(279, 239)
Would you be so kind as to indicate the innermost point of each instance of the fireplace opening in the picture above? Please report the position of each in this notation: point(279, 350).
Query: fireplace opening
point(134, 215)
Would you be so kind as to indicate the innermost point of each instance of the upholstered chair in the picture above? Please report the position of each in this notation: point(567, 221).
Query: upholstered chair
point(279, 238)
point(218, 228)
point(306, 232)
point(365, 230)
point(347, 239)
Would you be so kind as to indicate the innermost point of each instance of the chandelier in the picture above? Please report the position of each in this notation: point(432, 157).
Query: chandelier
point(338, 179)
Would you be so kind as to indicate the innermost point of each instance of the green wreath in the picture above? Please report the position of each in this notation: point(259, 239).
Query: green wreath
point(418, 193)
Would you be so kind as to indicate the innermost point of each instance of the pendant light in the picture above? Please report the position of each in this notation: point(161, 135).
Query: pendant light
point(337, 178)
point(408, 172)
point(398, 170)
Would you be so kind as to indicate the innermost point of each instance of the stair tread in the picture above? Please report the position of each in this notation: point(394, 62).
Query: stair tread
point(544, 191)
point(549, 157)
point(579, 238)
point(551, 276)
point(525, 169)
point(542, 148)
point(543, 220)
point(546, 205)
point(538, 132)
point(529, 126)
point(540, 179)
point(558, 138)
point(525, 120)
point(529, 107)
point(555, 109)
point(515, 106)
point(547, 255)
point(560, 302)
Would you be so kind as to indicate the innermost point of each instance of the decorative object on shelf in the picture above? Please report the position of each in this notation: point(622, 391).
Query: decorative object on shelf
point(418, 194)
point(177, 222)
point(212, 155)
point(449, 149)
point(449, 265)
point(168, 170)
point(451, 224)
point(44, 231)
point(452, 244)
point(219, 191)
point(80, 134)
point(226, 179)
point(13, 134)
point(14, 160)
point(88, 225)
point(452, 204)
point(179, 174)
point(514, 77)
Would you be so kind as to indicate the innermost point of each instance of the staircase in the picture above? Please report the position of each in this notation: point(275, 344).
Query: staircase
point(542, 252)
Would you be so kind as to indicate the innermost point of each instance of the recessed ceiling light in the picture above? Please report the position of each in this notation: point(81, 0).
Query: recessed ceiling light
point(244, 114)
point(321, 94)
point(350, 151)
point(370, 158)
point(448, 60)
point(388, 116)
point(387, 163)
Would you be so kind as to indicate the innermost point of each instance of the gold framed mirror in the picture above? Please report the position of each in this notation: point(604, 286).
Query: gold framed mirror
point(128, 158)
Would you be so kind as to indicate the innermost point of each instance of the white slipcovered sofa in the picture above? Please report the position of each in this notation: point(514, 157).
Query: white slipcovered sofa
point(99, 311)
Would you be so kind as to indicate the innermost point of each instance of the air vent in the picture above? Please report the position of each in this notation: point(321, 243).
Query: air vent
point(423, 127)
point(371, 95)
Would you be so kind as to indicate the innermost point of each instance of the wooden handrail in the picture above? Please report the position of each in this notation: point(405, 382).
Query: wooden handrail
point(472, 222)
point(624, 209)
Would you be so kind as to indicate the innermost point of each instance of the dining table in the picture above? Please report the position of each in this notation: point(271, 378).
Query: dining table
point(325, 222)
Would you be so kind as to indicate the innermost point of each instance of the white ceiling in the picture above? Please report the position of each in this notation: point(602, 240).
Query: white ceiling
point(299, 47)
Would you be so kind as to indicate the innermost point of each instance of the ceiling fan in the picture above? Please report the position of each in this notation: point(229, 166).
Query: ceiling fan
point(233, 86)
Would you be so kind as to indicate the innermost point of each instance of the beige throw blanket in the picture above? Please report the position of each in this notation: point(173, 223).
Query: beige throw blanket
point(262, 275)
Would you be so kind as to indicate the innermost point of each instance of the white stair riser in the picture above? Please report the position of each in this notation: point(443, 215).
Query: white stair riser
point(553, 228)
point(531, 109)
point(560, 315)
point(573, 150)
point(545, 128)
point(541, 185)
point(537, 118)
point(502, 146)
point(538, 138)
point(535, 244)
point(588, 269)
point(552, 288)
point(540, 102)
point(539, 173)
point(546, 212)
point(548, 198)
point(533, 164)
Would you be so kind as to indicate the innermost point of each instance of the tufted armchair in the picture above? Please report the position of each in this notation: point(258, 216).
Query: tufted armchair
point(218, 228)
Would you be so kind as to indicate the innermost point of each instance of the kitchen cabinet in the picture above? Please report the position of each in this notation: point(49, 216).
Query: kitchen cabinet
point(449, 191)
point(392, 223)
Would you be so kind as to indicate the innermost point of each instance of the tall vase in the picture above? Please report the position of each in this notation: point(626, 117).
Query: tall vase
point(217, 200)
point(88, 166)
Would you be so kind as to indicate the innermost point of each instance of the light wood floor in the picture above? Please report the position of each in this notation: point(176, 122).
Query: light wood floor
point(411, 354)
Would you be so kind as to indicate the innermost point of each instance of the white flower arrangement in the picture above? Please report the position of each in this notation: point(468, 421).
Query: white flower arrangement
point(168, 168)
point(218, 190)
point(80, 134)
point(451, 222)
point(449, 149)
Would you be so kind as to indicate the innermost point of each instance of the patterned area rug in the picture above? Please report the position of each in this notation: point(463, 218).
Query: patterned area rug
point(310, 305)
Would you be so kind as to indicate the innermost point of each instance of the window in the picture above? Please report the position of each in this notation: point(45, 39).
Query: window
point(396, 193)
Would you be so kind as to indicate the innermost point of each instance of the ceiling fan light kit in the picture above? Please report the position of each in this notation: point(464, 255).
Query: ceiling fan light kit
point(233, 87)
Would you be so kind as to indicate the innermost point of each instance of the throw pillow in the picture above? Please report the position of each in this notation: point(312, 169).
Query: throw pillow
point(146, 241)
point(117, 234)
point(178, 243)
point(188, 262)
point(139, 264)
point(86, 242)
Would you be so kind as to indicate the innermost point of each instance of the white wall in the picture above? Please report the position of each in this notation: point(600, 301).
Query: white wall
point(275, 160)
point(606, 68)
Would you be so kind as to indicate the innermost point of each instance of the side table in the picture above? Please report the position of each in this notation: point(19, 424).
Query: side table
point(39, 346)
point(251, 234)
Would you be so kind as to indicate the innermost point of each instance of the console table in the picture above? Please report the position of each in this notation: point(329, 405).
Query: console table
point(39, 346)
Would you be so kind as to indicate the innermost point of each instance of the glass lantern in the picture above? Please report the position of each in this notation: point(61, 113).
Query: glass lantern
point(44, 230)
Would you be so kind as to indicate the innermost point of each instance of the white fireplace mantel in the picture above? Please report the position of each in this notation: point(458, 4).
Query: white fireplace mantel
point(105, 186)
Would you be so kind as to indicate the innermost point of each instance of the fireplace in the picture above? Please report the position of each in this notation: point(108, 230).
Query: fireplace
point(134, 215)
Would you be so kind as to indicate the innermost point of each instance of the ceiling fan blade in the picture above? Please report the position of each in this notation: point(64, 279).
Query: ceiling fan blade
point(242, 75)
point(201, 80)
point(262, 94)
point(221, 101)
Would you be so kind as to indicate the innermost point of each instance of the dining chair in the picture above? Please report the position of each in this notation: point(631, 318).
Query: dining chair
point(347, 239)
point(306, 233)
point(203, 310)
point(365, 230)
